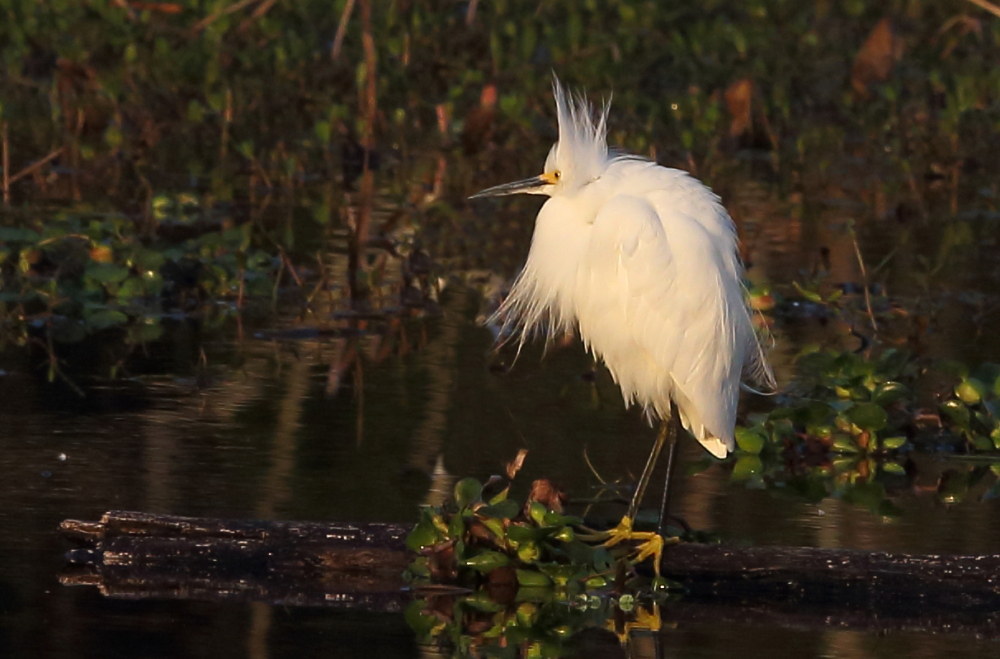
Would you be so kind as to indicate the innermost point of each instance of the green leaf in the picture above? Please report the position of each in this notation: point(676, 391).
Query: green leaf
point(424, 534)
point(750, 441)
point(868, 416)
point(982, 443)
point(148, 259)
point(486, 561)
point(603, 561)
point(421, 623)
point(418, 569)
point(105, 319)
point(456, 527)
point(113, 136)
point(504, 509)
point(526, 614)
point(533, 578)
point(149, 329)
point(812, 296)
point(893, 443)
point(891, 364)
point(953, 486)
point(245, 148)
point(501, 496)
point(537, 512)
point(495, 526)
point(893, 468)
point(957, 413)
point(528, 552)
point(815, 413)
point(106, 273)
point(844, 444)
point(971, 391)
point(467, 492)
point(480, 601)
point(322, 130)
point(747, 467)
point(560, 574)
point(565, 534)
point(130, 289)
point(552, 518)
point(888, 393)
point(519, 533)
point(822, 431)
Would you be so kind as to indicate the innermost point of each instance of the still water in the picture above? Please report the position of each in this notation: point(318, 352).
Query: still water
point(367, 426)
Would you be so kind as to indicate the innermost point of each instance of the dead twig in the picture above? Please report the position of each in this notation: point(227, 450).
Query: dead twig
point(988, 6)
point(367, 102)
point(338, 40)
point(257, 13)
point(291, 269)
point(227, 120)
point(864, 279)
point(225, 11)
point(30, 169)
point(6, 163)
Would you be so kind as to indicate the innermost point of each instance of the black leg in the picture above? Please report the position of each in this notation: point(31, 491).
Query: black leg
point(640, 489)
point(673, 435)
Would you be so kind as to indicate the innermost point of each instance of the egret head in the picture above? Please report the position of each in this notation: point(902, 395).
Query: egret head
point(579, 157)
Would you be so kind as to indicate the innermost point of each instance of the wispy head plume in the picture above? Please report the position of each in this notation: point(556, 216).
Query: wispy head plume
point(582, 150)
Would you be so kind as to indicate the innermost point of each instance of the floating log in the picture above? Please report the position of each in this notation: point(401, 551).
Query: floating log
point(138, 555)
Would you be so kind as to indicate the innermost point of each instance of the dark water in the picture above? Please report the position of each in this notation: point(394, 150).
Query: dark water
point(264, 427)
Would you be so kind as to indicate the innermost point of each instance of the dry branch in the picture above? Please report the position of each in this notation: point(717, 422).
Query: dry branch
point(216, 15)
point(37, 164)
point(338, 40)
point(988, 6)
point(5, 162)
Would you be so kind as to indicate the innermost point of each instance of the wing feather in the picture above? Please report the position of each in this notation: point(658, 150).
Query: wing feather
point(661, 306)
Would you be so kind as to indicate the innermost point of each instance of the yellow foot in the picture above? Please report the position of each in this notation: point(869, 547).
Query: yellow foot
point(638, 619)
point(650, 544)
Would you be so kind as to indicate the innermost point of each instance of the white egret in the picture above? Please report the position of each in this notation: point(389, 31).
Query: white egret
point(642, 261)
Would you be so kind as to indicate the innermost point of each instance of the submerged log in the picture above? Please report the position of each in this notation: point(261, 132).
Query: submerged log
point(139, 555)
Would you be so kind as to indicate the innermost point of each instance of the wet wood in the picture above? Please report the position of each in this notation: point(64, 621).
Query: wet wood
point(139, 555)
point(133, 538)
point(808, 571)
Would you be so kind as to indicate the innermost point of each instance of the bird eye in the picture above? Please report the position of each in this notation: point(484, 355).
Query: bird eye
point(557, 175)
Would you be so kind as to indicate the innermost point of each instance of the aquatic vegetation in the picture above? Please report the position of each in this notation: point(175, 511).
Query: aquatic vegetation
point(493, 575)
point(81, 273)
point(504, 543)
point(849, 427)
point(847, 403)
point(536, 622)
